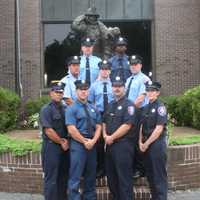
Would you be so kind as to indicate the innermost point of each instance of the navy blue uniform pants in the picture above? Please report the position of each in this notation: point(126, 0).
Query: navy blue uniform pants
point(55, 166)
point(155, 159)
point(119, 162)
point(82, 163)
point(100, 155)
point(138, 162)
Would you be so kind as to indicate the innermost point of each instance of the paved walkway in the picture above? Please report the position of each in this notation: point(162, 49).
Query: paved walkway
point(178, 195)
point(185, 195)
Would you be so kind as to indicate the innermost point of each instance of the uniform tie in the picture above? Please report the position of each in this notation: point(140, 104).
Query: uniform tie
point(88, 120)
point(121, 70)
point(129, 86)
point(105, 96)
point(87, 71)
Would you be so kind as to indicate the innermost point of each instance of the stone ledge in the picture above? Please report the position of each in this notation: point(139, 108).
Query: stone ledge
point(16, 172)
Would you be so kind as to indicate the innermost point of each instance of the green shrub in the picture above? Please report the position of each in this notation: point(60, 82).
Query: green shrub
point(189, 104)
point(31, 112)
point(185, 109)
point(9, 104)
point(33, 106)
point(33, 121)
point(171, 104)
point(196, 112)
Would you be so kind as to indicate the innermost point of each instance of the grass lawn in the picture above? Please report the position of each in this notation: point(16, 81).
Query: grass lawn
point(184, 136)
point(20, 142)
point(18, 147)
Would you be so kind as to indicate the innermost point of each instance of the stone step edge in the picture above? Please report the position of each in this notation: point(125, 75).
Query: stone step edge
point(137, 182)
point(139, 193)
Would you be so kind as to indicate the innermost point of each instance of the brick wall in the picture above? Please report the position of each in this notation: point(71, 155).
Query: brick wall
point(30, 41)
point(184, 167)
point(7, 44)
point(30, 27)
point(24, 174)
point(177, 44)
point(21, 174)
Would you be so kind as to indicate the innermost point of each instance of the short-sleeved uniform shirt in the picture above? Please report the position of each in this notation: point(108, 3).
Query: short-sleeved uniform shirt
point(118, 113)
point(94, 68)
point(75, 115)
point(70, 88)
point(137, 87)
point(52, 115)
point(153, 114)
point(96, 93)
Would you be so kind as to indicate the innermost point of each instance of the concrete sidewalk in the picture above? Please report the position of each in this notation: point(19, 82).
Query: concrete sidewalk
point(178, 195)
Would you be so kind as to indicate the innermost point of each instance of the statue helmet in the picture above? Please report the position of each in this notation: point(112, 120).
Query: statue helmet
point(92, 12)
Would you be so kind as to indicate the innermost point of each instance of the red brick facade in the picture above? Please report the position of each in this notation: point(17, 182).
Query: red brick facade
point(7, 44)
point(30, 27)
point(30, 41)
point(24, 174)
point(177, 44)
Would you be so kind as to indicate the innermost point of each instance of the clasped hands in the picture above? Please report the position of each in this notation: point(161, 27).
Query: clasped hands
point(64, 144)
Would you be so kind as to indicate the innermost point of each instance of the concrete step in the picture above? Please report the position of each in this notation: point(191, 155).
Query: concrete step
point(137, 182)
point(139, 192)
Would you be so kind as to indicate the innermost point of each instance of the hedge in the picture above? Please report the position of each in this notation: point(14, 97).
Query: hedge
point(185, 109)
point(9, 104)
point(33, 106)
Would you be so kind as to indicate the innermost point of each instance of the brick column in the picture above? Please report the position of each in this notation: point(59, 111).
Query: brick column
point(177, 43)
point(7, 44)
point(30, 28)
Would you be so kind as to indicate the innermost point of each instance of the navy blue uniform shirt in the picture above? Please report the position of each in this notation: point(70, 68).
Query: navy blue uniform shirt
point(119, 67)
point(52, 116)
point(153, 114)
point(118, 113)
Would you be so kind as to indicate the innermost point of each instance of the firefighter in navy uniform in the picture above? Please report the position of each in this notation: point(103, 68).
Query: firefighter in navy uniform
point(55, 160)
point(118, 133)
point(119, 61)
point(152, 142)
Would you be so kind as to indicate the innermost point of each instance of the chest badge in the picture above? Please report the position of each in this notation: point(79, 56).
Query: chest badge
point(153, 110)
point(119, 107)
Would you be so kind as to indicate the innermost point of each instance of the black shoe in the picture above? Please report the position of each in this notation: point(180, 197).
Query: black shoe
point(136, 174)
point(100, 173)
point(142, 174)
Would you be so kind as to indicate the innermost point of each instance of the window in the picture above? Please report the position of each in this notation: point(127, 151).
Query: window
point(58, 48)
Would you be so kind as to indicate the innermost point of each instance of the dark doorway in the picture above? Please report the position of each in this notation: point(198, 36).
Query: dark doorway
point(58, 49)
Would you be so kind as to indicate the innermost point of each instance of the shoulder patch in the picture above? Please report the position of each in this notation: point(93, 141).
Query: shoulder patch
point(131, 110)
point(162, 110)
